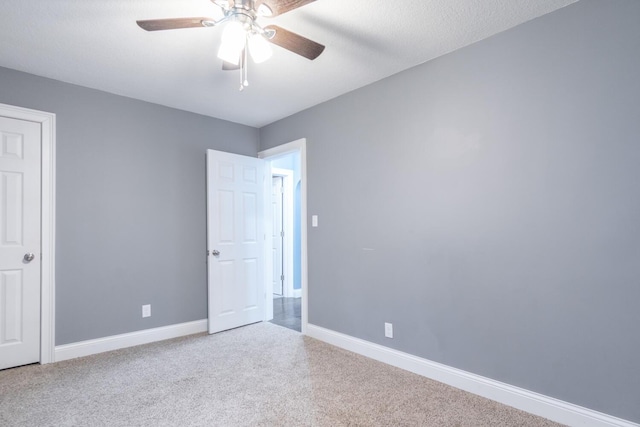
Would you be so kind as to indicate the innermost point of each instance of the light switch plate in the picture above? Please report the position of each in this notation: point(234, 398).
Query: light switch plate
point(314, 220)
point(388, 330)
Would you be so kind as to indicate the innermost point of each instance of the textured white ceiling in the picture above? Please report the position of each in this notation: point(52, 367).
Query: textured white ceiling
point(96, 43)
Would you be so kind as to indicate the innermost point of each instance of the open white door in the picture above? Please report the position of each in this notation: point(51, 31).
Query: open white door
point(20, 146)
point(235, 240)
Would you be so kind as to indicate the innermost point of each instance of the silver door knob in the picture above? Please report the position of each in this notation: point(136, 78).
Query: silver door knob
point(215, 252)
point(29, 257)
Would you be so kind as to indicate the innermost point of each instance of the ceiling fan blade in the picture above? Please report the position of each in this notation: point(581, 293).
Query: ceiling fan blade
point(278, 7)
point(294, 42)
point(172, 23)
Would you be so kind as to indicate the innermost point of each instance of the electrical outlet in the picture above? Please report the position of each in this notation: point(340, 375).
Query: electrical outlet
point(146, 310)
point(388, 330)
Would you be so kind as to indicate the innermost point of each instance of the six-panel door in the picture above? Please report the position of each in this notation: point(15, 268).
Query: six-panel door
point(19, 242)
point(235, 232)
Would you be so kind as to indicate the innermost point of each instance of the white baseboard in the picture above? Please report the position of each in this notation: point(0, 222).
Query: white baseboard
point(529, 401)
point(297, 293)
point(115, 342)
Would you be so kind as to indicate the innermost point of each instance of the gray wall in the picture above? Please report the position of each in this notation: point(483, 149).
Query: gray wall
point(131, 213)
point(499, 189)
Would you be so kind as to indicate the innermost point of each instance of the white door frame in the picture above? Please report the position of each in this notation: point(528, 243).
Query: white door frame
point(287, 219)
point(47, 122)
point(298, 146)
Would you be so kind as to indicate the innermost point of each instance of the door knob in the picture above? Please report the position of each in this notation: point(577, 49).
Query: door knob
point(215, 252)
point(29, 257)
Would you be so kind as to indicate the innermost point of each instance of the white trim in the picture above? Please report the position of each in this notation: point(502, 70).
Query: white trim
point(297, 293)
point(47, 123)
point(300, 146)
point(115, 342)
point(529, 401)
point(268, 244)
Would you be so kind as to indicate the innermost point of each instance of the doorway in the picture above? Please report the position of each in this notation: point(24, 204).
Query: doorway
point(285, 177)
point(286, 295)
point(238, 197)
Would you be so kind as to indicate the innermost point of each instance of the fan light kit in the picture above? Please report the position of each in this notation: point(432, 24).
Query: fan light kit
point(242, 34)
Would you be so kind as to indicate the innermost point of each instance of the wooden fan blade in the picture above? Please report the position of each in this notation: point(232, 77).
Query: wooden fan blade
point(295, 42)
point(172, 23)
point(278, 7)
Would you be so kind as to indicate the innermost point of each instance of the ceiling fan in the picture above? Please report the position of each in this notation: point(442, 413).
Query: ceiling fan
point(243, 34)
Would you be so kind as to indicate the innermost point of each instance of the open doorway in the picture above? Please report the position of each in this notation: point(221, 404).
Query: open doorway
point(285, 204)
point(286, 276)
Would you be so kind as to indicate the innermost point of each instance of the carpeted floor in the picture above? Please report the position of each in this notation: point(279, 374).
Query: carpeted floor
point(259, 375)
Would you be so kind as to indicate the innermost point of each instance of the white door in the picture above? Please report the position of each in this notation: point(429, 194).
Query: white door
point(278, 235)
point(19, 242)
point(235, 240)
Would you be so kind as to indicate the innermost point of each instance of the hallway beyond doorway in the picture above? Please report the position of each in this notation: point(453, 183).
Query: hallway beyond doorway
point(286, 312)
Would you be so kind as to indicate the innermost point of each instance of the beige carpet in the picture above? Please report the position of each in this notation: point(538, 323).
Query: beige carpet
point(259, 375)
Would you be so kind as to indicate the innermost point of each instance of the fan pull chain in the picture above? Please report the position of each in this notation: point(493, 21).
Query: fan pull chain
point(244, 60)
point(241, 74)
point(245, 83)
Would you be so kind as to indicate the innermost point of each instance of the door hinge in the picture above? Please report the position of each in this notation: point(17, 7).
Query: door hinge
point(282, 234)
point(282, 278)
point(282, 190)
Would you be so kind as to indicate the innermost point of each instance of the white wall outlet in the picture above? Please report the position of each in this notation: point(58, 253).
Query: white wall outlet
point(388, 330)
point(146, 310)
